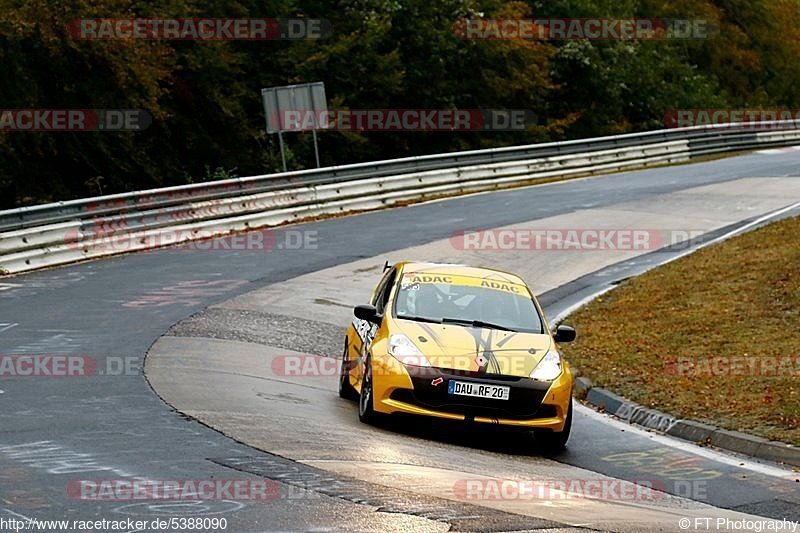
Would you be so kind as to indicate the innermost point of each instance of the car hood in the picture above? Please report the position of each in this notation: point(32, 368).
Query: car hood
point(475, 349)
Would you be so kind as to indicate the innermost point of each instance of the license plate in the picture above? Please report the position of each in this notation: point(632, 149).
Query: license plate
point(478, 390)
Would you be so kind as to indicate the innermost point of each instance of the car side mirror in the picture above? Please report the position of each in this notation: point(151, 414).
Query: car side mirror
point(564, 334)
point(367, 312)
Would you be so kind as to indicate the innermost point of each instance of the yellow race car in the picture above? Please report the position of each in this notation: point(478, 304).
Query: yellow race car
point(462, 343)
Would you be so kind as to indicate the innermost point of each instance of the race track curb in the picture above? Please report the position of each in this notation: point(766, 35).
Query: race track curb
point(690, 430)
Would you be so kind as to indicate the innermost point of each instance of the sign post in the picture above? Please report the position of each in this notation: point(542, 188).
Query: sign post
point(289, 108)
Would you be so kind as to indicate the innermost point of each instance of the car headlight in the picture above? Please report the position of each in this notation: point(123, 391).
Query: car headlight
point(405, 351)
point(549, 368)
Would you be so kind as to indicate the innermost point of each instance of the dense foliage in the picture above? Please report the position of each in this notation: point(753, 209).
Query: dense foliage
point(205, 96)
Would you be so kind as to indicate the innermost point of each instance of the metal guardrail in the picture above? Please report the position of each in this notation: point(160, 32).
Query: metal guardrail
point(64, 232)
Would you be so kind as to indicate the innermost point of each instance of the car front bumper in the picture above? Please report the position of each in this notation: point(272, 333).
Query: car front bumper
point(424, 391)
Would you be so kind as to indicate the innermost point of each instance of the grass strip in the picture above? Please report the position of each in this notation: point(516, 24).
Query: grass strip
point(713, 337)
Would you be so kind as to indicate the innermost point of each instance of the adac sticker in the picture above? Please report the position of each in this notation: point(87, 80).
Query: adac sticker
point(500, 286)
point(410, 279)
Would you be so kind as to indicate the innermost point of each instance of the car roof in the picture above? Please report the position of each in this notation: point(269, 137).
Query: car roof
point(419, 267)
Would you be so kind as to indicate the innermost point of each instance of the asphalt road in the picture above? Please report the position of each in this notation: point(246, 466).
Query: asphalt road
point(110, 426)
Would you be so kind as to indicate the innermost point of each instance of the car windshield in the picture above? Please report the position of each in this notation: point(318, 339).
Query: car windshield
point(468, 305)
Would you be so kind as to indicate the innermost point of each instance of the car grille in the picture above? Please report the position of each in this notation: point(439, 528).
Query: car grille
point(524, 403)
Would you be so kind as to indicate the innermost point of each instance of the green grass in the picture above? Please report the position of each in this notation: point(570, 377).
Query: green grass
point(739, 298)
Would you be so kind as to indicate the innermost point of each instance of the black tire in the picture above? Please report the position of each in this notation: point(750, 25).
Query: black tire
point(366, 413)
point(346, 390)
point(554, 442)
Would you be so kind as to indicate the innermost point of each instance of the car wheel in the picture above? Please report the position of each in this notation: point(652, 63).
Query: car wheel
point(553, 442)
point(346, 390)
point(365, 411)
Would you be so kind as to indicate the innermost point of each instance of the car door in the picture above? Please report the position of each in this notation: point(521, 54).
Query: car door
point(365, 331)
